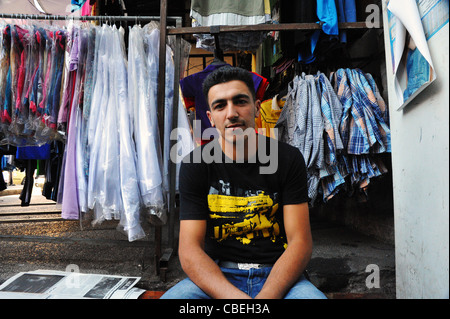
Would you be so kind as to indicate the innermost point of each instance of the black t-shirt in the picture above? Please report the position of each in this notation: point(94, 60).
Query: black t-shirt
point(243, 208)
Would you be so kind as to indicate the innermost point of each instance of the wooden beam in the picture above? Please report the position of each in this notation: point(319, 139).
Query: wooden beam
point(265, 27)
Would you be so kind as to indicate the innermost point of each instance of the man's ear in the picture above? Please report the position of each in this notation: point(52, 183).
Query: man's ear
point(258, 108)
point(208, 113)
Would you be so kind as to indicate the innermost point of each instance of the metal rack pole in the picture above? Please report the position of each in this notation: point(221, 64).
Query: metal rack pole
point(87, 18)
point(160, 111)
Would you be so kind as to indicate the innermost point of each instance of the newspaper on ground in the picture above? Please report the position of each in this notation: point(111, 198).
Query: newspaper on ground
point(52, 284)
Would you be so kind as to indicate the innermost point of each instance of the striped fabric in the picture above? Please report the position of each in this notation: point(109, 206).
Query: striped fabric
point(333, 173)
point(364, 126)
point(300, 124)
point(339, 124)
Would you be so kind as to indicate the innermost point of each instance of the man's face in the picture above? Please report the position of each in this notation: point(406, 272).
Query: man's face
point(233, 110)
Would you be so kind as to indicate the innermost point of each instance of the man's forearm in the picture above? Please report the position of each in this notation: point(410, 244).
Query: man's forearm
point(286, 271)
point(206, 274)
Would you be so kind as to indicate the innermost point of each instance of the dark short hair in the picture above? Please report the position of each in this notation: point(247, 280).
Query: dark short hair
point(227, 74)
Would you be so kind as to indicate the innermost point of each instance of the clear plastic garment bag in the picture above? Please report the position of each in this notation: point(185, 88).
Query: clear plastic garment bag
point(142, 86)
point(113, 184)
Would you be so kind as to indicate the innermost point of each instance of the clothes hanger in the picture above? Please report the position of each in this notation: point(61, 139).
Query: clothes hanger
point(218, 58)
point(218, 52)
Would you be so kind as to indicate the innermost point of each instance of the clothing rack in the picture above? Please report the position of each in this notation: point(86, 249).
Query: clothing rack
point(83, 18)
point(161, 259)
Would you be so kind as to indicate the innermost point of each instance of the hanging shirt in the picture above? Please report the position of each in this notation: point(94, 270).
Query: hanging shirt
point(327, 14)
point(333, 173)
point(363, 128)
point(228, 12)
point(21, 41)
point(5, 103)
point(301, 125)
point(269, 113)
point(346, 11)
point(379, 132)
point(129, 185)
point(142, 72)
point(53, 106)
point(34, 152)
point(70, 205)
point(69, 75)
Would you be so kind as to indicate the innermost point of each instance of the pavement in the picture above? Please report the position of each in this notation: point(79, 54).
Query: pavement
point(345, 264)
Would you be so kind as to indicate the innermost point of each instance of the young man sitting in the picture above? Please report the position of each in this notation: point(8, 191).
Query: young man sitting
point(244, 229)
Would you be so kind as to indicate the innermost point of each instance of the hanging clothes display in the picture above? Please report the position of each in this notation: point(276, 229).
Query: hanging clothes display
point(309, 46)
point(32, 58)
point(79, 90)
point(301, 116)
point(339, 126)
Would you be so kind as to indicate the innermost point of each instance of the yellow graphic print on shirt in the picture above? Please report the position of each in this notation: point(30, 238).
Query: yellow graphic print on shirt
point(244, 217)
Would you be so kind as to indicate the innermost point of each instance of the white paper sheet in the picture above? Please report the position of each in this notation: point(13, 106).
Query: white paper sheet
point(411, 59)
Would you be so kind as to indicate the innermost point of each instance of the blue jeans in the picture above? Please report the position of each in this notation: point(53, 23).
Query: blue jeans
point(249, 281)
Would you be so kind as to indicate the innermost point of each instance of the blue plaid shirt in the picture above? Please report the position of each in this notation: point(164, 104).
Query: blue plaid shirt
point(333, 173)
point(338, 128)
point(364, 124)
point(300, 124)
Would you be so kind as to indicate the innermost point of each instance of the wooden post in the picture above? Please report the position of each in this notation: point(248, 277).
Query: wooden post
point(161, 98)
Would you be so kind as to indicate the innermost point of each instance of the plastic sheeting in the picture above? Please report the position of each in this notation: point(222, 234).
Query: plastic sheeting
point(116, 162)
